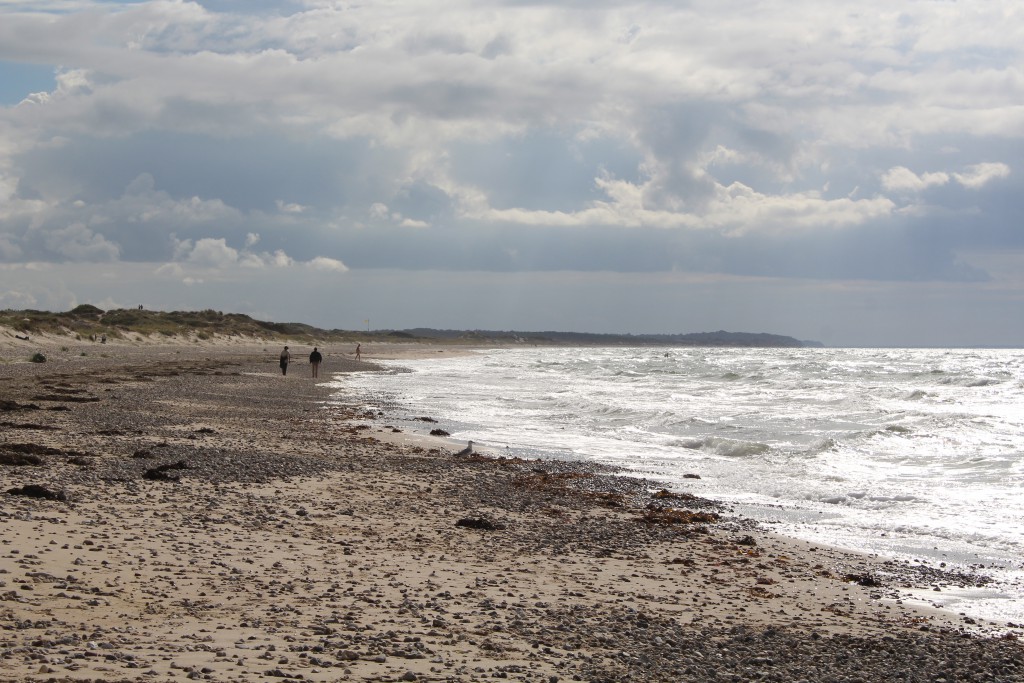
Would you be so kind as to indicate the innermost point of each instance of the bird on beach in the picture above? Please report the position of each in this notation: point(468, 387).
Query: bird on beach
point(468, 450)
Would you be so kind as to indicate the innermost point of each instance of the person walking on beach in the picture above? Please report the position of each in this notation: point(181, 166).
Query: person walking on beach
point(315, 359)
point(359, 348)
point(285, 357)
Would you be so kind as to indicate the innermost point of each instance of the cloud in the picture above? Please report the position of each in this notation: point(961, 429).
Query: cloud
point(379, 211)
point(973, 177)
point(173, 270)
point(215, 253)
point(979, 175)
point(326, 264)
point(16, 300)
point(901, 178)
point(212, 253)
point(9, 251)
point(284, 207)
point(734, 210)
point(78, 243)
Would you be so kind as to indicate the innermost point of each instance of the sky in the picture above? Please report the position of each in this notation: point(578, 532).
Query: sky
point(849, 173)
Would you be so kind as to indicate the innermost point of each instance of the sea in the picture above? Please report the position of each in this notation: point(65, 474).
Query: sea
point(915, 455)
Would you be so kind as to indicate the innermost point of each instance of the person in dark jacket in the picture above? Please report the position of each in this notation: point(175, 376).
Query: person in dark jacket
point(285, 357)
point(315, 359)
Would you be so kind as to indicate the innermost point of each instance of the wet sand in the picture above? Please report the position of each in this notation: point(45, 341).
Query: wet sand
point(210, 519)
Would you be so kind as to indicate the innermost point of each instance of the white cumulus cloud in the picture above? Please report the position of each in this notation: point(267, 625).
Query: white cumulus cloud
point(979, 175)
point(901, 178)
point(326, 264)
point(213, 253)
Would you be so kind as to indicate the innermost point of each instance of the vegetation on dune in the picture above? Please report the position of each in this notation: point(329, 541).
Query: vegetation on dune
point(89, 322)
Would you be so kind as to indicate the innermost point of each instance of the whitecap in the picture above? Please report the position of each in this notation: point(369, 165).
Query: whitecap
point(824, 445)
point(736, 449)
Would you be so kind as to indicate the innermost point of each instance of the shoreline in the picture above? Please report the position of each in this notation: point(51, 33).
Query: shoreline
point(972, 581)
point(299, 539)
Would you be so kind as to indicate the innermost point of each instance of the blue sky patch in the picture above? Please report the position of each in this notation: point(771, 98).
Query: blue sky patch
point(18, 81)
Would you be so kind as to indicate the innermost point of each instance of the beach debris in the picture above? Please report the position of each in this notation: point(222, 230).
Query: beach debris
point(426, 419)
point(33, 448)
point(439, 432)
point(665, 494)
point(38, 357)
point(867, 580)
point(38, 491)
point(481, 523)
point(29, 425)
point(746, 540)
point(27, 454)
point(66, 398)
point(9, 406)
point(19, 459)
point(164, 472)
point(677, 516)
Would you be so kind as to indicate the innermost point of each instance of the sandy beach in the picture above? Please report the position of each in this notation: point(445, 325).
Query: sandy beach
point(185, 512)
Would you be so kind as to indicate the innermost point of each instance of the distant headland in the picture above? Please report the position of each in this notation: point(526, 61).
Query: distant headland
point(131, 324)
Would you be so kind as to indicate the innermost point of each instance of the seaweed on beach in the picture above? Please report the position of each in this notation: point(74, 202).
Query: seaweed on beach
point(38, 491)
point(677, 516)
point(570, 483)
point(164, 472)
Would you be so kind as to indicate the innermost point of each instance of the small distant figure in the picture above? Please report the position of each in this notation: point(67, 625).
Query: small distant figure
point(359, 351)
point(468, 450)
point(285, 358)
point(103, 339)
point(315, 359)
point(140, 307)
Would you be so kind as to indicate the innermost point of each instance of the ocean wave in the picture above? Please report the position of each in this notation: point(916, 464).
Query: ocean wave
point(864, 498)
point(969, 381)
point(823, 446)
point(726, 447)
point(897, 429)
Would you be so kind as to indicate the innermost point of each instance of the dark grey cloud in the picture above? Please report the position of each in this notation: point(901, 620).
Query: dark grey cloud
point(249, 172)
